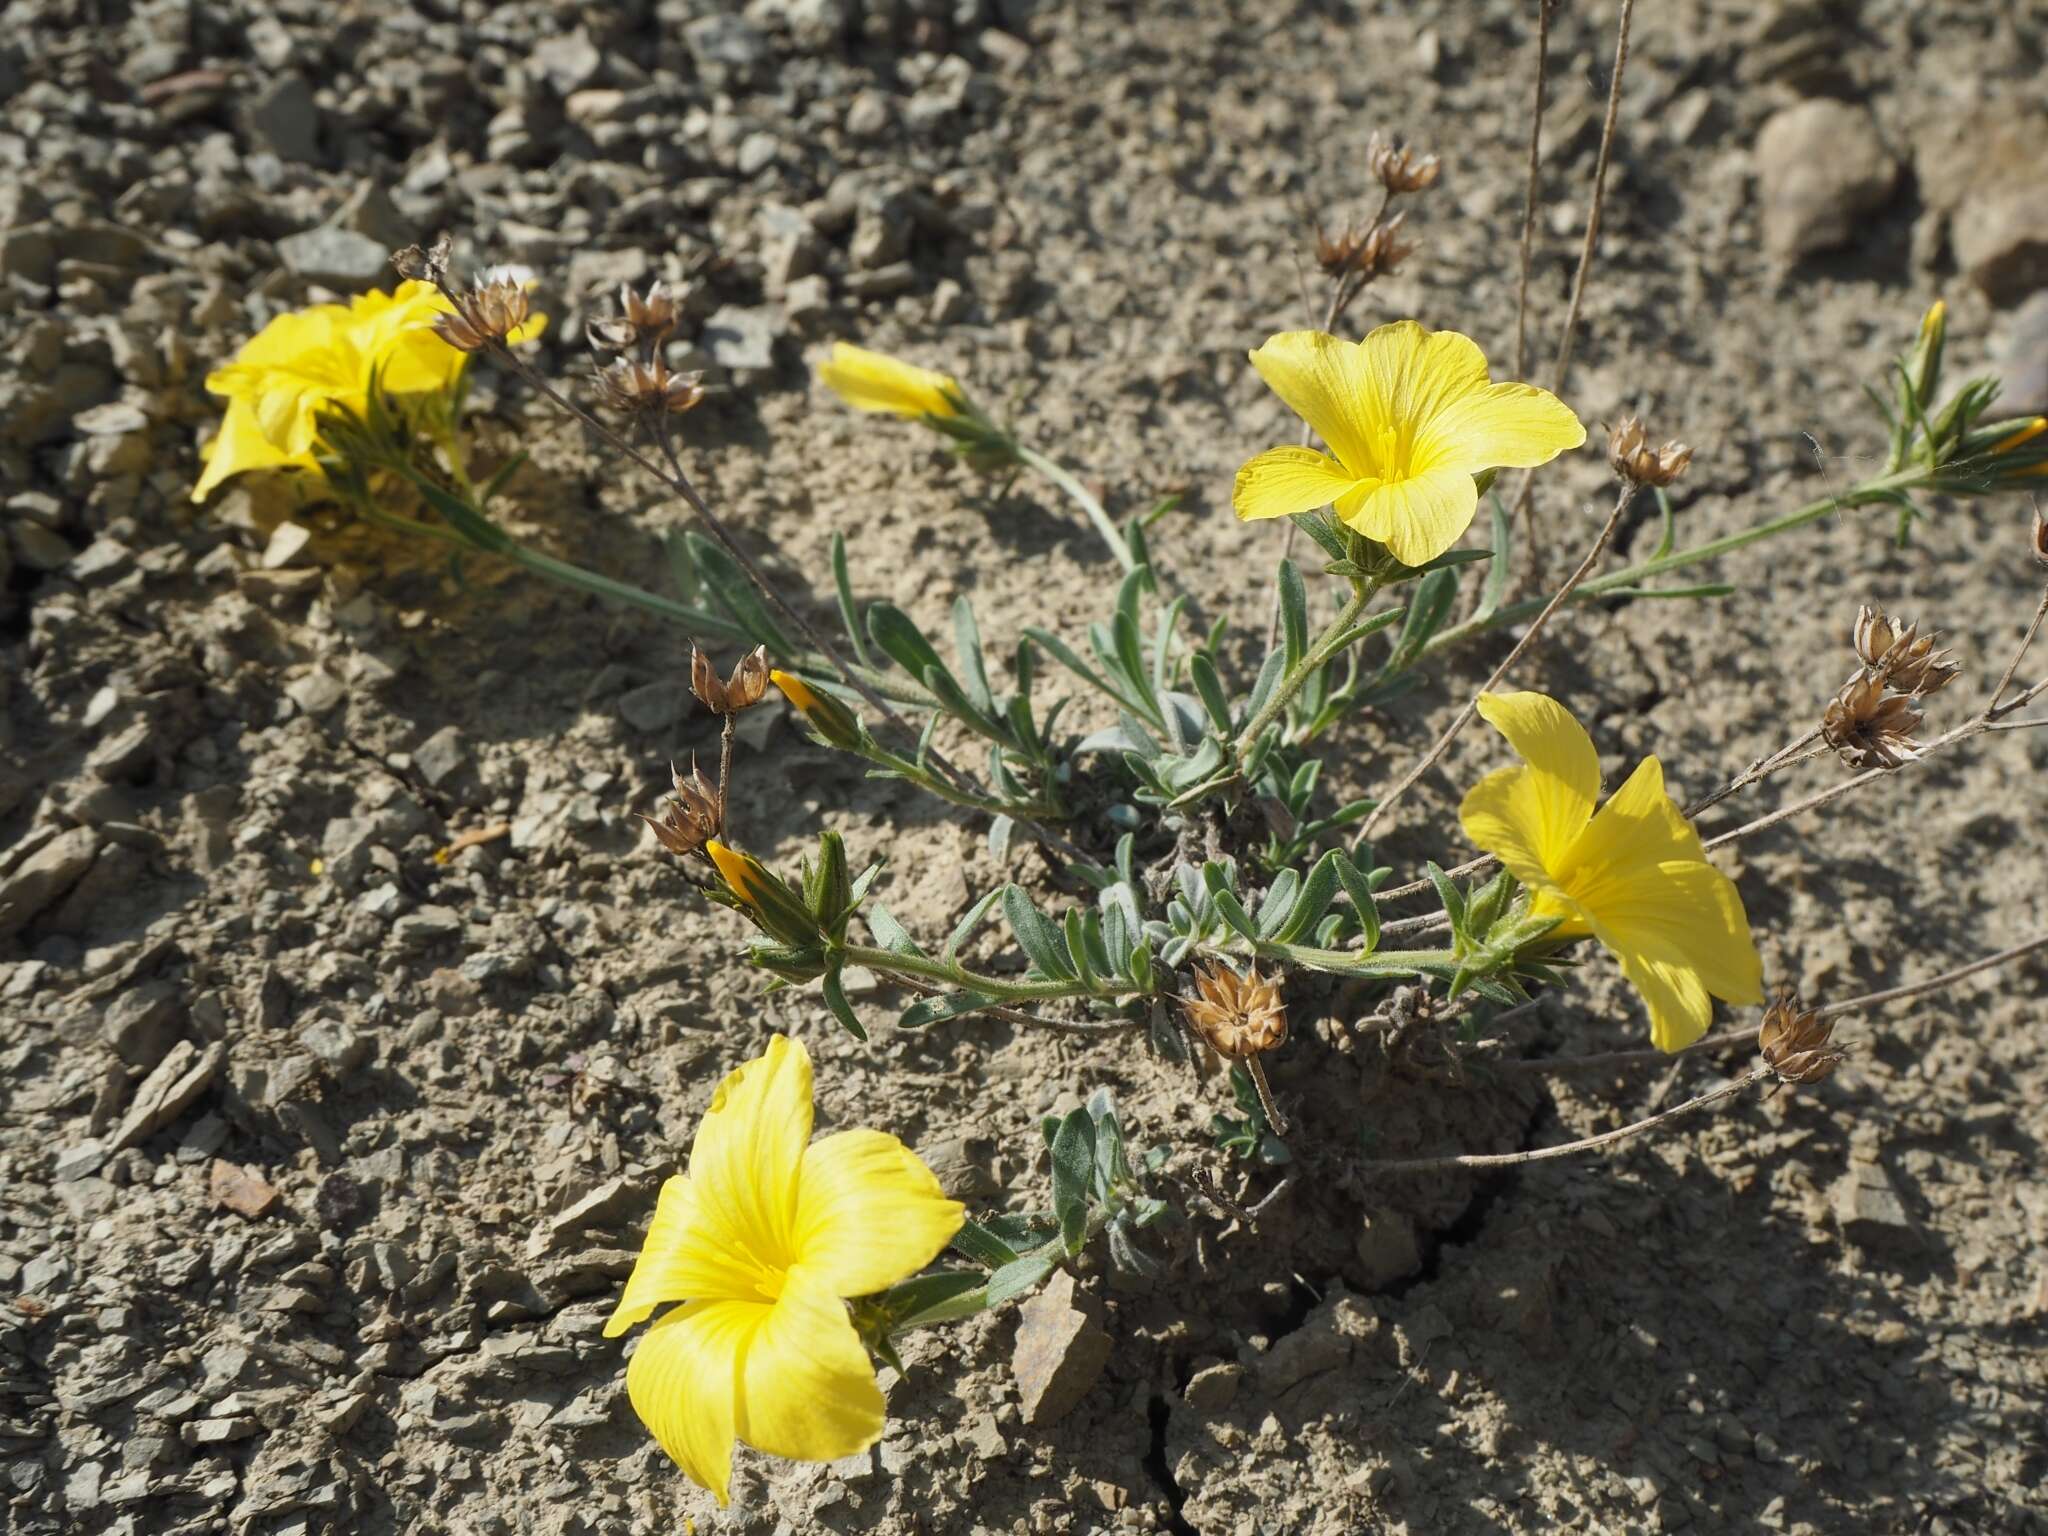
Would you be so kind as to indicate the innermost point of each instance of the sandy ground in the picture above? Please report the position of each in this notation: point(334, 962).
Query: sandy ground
point(1818, 1312)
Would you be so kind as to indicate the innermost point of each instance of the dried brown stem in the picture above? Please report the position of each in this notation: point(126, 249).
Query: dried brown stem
point(1257, 1072)
point(725, 735)
point(1727, 1090)
point(1746, 1034)
point(1544, 9)
point(2026, 643)
point(1464, 716)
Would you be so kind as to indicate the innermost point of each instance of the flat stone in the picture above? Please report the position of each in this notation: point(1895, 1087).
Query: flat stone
point(288, 544)
point(654, 706)
point(1214, 1388)
point(1821, 169)
point(317, 692)
point(341, 259)
point(428, 926)
point(284, 118)
point(2021, 351)
point(340, 1049)
point(45, 876)
point(126, 757)
point(2000, 235)
point(141, 1023)
point(1870, 1213)
point(168, 1092)
point(441, 755)
point(610, 1204)
point(1060, 1352)
point(568, 63)
point(241, 1190)
point(742, 338)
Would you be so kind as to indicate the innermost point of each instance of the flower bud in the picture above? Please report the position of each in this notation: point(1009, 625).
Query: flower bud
point(772, 906)
point(832, 720)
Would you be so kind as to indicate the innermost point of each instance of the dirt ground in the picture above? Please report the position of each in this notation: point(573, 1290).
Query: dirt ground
point(230, 760)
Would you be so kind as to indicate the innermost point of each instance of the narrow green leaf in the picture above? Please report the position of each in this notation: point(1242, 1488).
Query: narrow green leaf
point(729, 587)
point(1293, 612)
point(977, 1242)
point(889, 933)
point(898, 635)
point(967, 644)
point(1448, 893)
point(842, 1010)
point(1496, 589)
point(1359, 888)
point(1041, 942)
point(1317, 892)
point(1209, 689)
point(948, 1005)
point(1017, 1278)
point(849, 615)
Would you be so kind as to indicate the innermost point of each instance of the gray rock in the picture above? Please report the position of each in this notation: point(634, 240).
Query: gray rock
point(653, 706)
point(317, 692)
point(1821, 168)
point(140, 1024)
point(441, 755)
point(742, 338)
point(287, 545)
point(608, 1205)
point(1213, 1389)
point(2000, 235)
point(45, 876)
point(284, 119)
point(340, 1049)
point(949, 302)
point(1060, 1353)
point(807, 302)
point(883, 282)
point(2022, 354)
point(428, 926)
point(342, 259)
point(1389, 1248)
point(568, 63)
point(881, 233)
point(1868, 1210)
point(727, 50)
point(126, 757)
point(36, 548)
point(168, 1092)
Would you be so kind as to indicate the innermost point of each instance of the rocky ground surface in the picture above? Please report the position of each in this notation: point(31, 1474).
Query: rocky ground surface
point(325, 1148)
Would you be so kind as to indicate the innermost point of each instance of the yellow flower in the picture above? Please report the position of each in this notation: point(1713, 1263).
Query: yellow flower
point(828, 717)
point(871, 381)
point(1409, 418)
point(322, 358)
point(759, 1242)
point(1634, 876)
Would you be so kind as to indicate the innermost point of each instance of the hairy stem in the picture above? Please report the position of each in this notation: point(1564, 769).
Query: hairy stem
point(1083, 498)
point(1326, 645)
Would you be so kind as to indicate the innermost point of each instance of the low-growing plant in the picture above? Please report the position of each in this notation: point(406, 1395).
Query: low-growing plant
point(1177, 777)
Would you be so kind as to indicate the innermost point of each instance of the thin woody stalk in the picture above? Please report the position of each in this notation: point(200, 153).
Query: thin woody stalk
point(1464, 716)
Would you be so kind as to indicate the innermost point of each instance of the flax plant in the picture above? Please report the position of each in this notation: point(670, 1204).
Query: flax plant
point(1208, 893)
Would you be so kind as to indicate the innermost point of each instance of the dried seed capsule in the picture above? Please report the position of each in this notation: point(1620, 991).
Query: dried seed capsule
point(692, 818)
point(1870, 727)
point(1796, 1041)
point(742, 690)
point(1631, 457)
point(1239, 1016)
point(1398, 169)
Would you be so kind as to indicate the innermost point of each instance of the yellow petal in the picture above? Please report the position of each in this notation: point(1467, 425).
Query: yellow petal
point(1680, 1009)
point(687, 1256)
point(869, 1213)
point(1563, 764)
point(874, 381)
point(418, 362)
point(1417, 518)
point(1514, 426)
point(1414, 374)
point(685, 1380)
point(1639, 827)
point(744, 1163)
point(1692, 913)
point(1283, 481)
point(1322, 381)
point(810, 1392)
point(240, 445)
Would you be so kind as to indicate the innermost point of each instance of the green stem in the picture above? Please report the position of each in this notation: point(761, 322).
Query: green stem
point(1085, 500)
point(1335, 636)
point(955, 975)
point(967, 799)
point(1871, 490)
point(1345, 962)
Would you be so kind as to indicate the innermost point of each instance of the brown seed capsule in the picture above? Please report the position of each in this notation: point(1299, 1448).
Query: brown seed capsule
point(610, 335)
point(1398, 169)
point(1902, 657)
point(1239, 1016)
point(1870, 727)
point(742, 690)
point(2040, 540)
point(1371, 252)
point(1631, 457)
point(428, 266)
point(652, 314)
point(692, 818)
point(1795, 1041)
point(647, 384)
point(491, 311)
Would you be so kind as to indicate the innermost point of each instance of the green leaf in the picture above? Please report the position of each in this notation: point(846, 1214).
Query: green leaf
point(967, 643)
point(1209, 689)
point(496, 483)
point(911, 1301)
point(1496, 588)
point(1269, 679)
point(842, 1010)
point(948, 1005)
point(1065, 655)
point(1233, 913)
point(1703, 589)
point(1278, 902)
point(1036, 935)
point(1015, 1279)
point(1317, 525)
point(849, 615)
point(1317, 892)
point(898, 635)
point(1073, 1176)
point(1359, 888)
point(977, 1242)
point(729, 587)
point(890, 934)
point(1448, 893)
point(1293, 612)
point(1426, 614)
